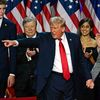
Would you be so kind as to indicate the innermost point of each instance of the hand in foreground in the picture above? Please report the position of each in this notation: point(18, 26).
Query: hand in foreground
point(11, 81)
point(8, 43)
point(87, 54)
point(90, 84)
point(30, 53)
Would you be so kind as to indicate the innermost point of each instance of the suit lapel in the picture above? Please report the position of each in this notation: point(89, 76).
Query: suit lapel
point(70, 40)
point(4, 24)
point(71, 47)
point(4, 30)
point(52, 48)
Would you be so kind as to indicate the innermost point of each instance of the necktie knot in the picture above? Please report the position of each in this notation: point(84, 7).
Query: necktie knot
point(59, 39)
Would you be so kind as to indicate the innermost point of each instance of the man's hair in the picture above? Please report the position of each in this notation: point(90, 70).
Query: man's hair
point(3, 2)
point(29, 19)
point(57, 20)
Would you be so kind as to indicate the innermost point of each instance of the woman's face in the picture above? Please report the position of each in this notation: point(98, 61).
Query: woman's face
point(85, 29)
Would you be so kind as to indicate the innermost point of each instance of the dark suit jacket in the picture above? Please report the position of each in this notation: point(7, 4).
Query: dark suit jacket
point(24, 68)
point(7, 60)
point(46, 45)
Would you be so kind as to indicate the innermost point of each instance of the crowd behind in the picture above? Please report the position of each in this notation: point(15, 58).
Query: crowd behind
point(32, 67)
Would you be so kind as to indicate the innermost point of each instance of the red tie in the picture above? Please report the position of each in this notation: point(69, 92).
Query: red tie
point(64, 61)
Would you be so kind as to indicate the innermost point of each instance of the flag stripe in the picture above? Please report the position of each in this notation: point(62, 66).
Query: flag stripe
point(89, 12)
point(39, 18)
point(18, 16)
point(16, 12)
point(42, 10)
point(69, 23)
point(46, 12)
point(11, 17)
point(74, 19)
point(21, 9)
point(29, 13)
point(45, 23)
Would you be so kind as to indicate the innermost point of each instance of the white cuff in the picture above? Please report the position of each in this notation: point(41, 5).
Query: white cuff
point(17, 43)
point(11, 74)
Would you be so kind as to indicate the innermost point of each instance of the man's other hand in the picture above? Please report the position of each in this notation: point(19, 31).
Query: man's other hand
point(90, 84)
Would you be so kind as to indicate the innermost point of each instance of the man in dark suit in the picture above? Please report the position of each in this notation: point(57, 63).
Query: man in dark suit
point(7, 55)
point(26, 61)
point(52, 84)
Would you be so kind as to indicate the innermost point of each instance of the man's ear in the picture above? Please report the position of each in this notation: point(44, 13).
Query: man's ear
point(63, 29)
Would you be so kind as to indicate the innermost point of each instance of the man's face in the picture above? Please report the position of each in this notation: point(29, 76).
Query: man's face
point(57, 31)
point(30, 29)
point(2, 10)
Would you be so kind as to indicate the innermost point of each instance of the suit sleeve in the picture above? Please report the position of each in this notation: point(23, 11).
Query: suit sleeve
point(12, 50)
point(83, 64)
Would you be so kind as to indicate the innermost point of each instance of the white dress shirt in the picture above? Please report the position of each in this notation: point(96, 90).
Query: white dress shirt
point(1, 21)
point(57, 67)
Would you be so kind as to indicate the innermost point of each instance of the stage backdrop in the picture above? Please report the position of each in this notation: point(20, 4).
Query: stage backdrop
point(71, 10)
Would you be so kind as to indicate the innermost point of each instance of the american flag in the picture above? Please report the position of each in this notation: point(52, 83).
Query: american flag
point(71, 10)
point(75, 10)
point(91, 9)
point(40, 9)
point(16, 12)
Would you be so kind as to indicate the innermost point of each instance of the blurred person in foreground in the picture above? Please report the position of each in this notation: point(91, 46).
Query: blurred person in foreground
point(7, 55)
point(97, 80)
point(26, 61)
point(55, 78)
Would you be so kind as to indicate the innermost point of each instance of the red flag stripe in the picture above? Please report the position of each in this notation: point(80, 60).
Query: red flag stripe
point(11, 17)
point(21, 10)
point(67, 29)
point(46, 13)
point(75, 20)
point(39, 18)
point(88, 14)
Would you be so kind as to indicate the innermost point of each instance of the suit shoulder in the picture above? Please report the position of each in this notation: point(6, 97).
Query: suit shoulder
point(72, 35)
point(43, 34)
point(21, 35)
point(9, 22)
point(40, 33)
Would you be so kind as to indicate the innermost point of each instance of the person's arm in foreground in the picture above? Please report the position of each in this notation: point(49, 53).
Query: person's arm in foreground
point(9, 43)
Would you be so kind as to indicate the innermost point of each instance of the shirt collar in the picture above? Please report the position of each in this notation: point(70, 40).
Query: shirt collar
point(63, 37)
point(32, 36)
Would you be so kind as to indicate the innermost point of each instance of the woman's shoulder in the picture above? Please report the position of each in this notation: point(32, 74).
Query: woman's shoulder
point(90, 43)
point(94, 43)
